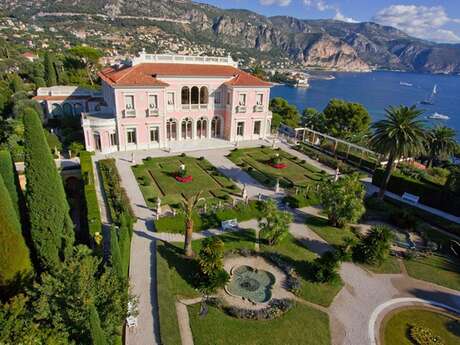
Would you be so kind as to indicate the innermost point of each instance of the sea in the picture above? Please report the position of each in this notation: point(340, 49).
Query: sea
point(377, 90)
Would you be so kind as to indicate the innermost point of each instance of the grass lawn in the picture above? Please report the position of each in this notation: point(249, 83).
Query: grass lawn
point(436, 269)
point(390, 265)
point(256, 162)
point(397, 327)
point(330, 234)
point(297, 254)
point(156, 178)
point(300, 325)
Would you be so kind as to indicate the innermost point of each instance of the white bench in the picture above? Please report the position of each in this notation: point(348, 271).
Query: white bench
point(410, 197)
point(131, 321)
point(229, 224)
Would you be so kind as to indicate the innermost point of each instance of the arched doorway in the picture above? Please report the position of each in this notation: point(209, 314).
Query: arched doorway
point(186, 128)
point(216, 125)
point(202, 128)
point(171, 129)
point(67, 109)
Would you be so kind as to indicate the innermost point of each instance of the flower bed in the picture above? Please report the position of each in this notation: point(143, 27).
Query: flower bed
point(185, 179)
point(279, 166)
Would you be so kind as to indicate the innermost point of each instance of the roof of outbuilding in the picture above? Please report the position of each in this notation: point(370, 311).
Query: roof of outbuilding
point(149, 74)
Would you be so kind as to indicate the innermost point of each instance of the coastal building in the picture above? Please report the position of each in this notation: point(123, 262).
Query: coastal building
point(58, 101)
point(163, 101)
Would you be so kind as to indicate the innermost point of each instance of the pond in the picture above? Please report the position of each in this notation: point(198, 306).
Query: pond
point(250, 283)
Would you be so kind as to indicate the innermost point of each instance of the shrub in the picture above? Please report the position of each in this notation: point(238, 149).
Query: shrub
point(50, 224)
point(10, 178)
point(275, 224)
point(183, 154)
point(325, 267)
point(403, 218)
point(75, 148)
point(374, 248)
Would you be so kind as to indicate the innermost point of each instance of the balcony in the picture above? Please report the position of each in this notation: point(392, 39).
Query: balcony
point(241, 109)
point(129, 113)
point(194, 106)
point(152, 112)
point(258, 108)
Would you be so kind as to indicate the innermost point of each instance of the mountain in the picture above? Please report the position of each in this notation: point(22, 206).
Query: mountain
point(327, 44)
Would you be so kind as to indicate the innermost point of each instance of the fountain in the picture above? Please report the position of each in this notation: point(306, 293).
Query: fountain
point(251, 284)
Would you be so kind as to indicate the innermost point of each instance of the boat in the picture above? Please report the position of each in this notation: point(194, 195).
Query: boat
point(403, 83)
point(437, 116)
point(430, 99)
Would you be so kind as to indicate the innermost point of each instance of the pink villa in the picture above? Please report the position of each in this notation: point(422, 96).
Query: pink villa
point(174, 101)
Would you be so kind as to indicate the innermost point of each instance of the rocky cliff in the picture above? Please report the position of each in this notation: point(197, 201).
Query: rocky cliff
point(313, 43)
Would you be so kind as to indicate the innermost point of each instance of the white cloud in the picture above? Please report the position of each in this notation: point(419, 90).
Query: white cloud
point(275, 2)
point(322, 5)
point(419, 21)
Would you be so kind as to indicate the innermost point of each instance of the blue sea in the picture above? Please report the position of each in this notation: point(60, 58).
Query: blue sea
point(377, 90)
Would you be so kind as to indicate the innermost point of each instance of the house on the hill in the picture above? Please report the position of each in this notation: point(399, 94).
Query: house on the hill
point(162, 101)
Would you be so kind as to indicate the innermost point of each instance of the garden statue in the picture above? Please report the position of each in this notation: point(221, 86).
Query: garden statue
point(205, 208)
point(158, 206)
point(182, 170)
point(245, 192)
point(132, 158)
point(277, 186)
point(259, 197)
point(337, 173)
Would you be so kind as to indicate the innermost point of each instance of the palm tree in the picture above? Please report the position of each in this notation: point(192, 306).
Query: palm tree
point(188, 207)
point(441, 143)
point(400, 134)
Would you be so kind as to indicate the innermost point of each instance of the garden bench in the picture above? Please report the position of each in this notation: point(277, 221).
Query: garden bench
point(131, 321)
point(229, 224)
point(411, 198)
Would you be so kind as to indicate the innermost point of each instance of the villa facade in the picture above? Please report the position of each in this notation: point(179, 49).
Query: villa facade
point(158, 101)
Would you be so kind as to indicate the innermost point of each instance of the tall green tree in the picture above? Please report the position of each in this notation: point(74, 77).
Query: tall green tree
point(283, 112)
point(401, 134)
point(115, 255)
point(10, 178)
point(314, 119)
point(38, 75)
point(89, 57)
point(342, 200)
point(274, 226)
point(15, 265)
point(346, 120)
point(441, 143)
point(97, 334)
point(50, 70)
point(374, 248)
point(50, 224)
point(211, 255)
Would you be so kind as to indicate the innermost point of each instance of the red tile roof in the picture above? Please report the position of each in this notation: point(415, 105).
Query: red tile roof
point(148, 73)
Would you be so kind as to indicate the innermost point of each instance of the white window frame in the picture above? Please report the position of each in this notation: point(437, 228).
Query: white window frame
point(128, 131)
point(242, 97)
point(254, 127)
point(157, 129)
point(155, 97)
point(125, 96)
point(111, 137)
point(173, 105)
point(237, 128)
point(261, 95)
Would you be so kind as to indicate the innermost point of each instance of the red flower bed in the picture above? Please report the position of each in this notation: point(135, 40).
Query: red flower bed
point(185, 179)
point(279, 166)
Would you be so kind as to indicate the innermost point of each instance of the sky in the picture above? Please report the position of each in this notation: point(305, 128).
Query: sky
point(428, 19)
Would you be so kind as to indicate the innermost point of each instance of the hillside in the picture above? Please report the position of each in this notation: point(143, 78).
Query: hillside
point(173, 25)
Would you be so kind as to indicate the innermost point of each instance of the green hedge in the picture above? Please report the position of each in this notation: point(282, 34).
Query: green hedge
point(93, 215)
point(326, 159)
point(430, 194)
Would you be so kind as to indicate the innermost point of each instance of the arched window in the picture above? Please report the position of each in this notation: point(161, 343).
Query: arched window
point(215, 127)
point(195, 95)
point(78, 108)
point(204, 95)
point(171, 129)
point(186, 128)
point(56, 109)
point(201, 128)
point(185, 95)
point(67, 109)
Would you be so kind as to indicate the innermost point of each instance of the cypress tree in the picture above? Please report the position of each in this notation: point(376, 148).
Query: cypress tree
point(38, 74)
point(15, 264)
point(50, 71)
point(115, 256)
point(97, 335)
point(8, 172)
point(50, 224)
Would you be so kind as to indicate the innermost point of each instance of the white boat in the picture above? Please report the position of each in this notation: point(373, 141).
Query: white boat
point(437, 116)
point(430, 99)
point(403, 83)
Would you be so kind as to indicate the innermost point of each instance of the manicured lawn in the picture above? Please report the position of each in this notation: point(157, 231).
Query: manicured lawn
point(256, 161)
point(302, 325)
point(390, 265)
point(330, 234)
point(210, 220)
point(156, 178)
point(397, 326)
point(297, 254)
point(436, 269)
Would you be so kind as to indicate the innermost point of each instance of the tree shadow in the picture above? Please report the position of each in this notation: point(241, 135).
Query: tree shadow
point(186, 268)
